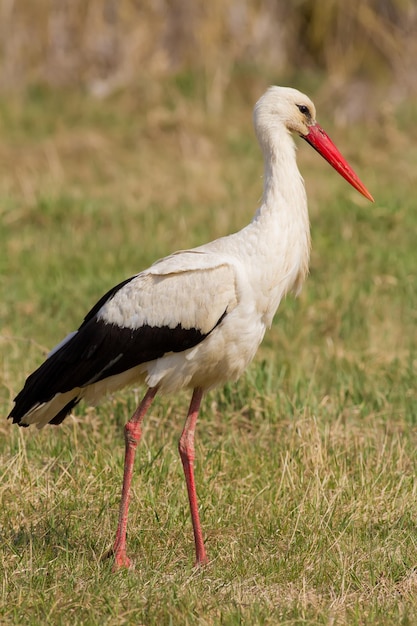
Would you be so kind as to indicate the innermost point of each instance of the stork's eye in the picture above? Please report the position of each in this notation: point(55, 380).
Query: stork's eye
point(304, 110)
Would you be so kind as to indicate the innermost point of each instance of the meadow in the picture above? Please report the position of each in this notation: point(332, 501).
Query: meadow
point(306, 467)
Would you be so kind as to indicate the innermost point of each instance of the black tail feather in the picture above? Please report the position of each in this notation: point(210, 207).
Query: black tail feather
point(59, 417)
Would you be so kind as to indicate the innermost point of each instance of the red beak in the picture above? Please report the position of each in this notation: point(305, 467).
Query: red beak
point(325, 146)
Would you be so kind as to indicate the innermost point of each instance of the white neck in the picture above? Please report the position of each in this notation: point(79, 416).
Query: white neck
point(284, 191)
point(274, 248)
point(279, 233)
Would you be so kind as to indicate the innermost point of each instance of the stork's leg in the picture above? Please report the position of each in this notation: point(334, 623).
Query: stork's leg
point(186, 448)
point(133, 434)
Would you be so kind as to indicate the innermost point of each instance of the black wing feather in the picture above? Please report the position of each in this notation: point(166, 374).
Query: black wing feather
point(97, 351)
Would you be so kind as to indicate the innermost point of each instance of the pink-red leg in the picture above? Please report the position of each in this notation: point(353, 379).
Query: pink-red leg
point(133, 432)
point(186, 449)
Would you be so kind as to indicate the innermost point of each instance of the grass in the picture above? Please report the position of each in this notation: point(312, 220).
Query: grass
point(305, 468)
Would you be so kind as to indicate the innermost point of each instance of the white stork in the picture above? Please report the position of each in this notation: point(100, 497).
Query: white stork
point(195, 318)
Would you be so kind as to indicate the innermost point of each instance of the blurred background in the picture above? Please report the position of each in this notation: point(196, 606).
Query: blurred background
point(107, 45)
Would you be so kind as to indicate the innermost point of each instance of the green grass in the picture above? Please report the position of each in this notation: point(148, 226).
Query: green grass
point(305, 468)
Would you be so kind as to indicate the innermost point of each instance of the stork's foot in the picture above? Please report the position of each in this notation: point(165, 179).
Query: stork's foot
point(202, 562)
point(121, 560)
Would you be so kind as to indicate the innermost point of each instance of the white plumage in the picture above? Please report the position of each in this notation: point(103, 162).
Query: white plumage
point(196, 318)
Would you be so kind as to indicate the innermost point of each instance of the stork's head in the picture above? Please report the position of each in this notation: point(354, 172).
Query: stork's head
point(286, 108)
